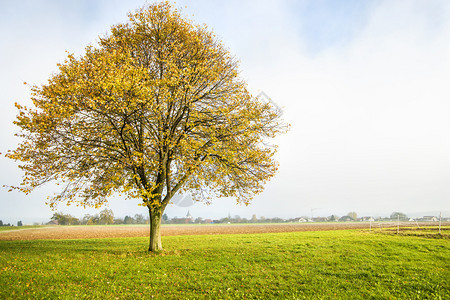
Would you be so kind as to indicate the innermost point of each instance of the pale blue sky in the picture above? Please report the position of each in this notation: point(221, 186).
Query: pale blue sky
point(363, 83)
point(328, 23)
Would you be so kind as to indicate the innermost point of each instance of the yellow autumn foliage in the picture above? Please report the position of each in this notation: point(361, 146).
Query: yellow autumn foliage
point(156, 108)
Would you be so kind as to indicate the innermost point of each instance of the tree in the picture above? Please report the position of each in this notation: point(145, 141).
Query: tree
point(398, 215)
point(106, 217)
point(1, 223)
point(254, 219)
point(90, 220)
point(353, 215)
point(165, 218)
point(333, 218)
point(65, 219)
point(128, 220)
point(156, 108)
point(118, 221)
point(19, 223)
point(139, 219)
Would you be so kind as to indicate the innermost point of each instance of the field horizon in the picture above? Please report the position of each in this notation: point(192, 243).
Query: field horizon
point(142, 230)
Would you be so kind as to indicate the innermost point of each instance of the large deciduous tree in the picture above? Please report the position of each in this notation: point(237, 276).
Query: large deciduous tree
point(156, 108)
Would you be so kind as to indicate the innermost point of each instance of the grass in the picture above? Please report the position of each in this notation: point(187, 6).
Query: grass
point(8, 228)
point(348, 264)
point(428, 232)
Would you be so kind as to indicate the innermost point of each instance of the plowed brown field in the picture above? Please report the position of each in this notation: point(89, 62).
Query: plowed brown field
point(87, 232)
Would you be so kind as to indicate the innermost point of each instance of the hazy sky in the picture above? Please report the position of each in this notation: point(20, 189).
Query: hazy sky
point(364, 84)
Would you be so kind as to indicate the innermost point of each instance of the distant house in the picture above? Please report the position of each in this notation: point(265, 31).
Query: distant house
point(53, 222)
point(320, 219)
point(429, 219)
point(367, 219)
point(345, 219)
point(302, 220)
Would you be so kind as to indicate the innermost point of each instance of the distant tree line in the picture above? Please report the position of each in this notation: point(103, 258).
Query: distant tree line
point(137, 219)
point(226, 220)
point(349, 217)
point(105, 217)
point(19, 223)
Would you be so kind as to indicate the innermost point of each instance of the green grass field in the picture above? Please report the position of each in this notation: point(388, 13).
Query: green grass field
point(8, 228)
point(348, 264)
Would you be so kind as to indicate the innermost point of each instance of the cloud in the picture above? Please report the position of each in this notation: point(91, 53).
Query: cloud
point(368, 114)
point(369, 119)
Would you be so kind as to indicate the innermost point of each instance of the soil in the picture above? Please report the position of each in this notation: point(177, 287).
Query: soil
point(87, 232)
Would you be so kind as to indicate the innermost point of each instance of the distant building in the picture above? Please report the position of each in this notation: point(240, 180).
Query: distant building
point(345, 219)
point(428, 219)
point(301, 220)
point(52, 222)
point(320, 219)
point(189, 218)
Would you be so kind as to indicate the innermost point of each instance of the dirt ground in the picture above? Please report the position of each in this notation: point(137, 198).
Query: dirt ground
point(87, 232)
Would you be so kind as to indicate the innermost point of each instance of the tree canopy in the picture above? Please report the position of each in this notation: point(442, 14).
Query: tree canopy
point(156, 108)
point(398, 215)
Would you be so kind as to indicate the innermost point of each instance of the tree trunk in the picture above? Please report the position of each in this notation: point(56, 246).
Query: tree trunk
point(155, 229)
